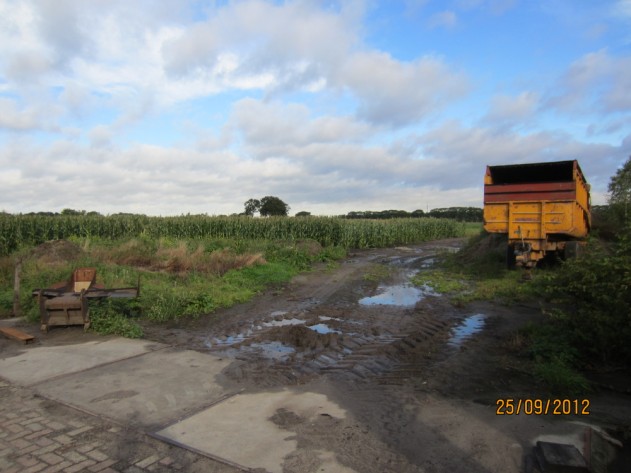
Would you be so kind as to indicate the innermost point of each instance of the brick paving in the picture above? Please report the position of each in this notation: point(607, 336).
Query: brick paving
point(38, 435)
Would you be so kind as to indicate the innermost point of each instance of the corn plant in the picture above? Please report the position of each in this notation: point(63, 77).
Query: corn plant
point(17, 231)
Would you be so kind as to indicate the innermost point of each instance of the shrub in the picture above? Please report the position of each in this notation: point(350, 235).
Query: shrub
point(595, 296)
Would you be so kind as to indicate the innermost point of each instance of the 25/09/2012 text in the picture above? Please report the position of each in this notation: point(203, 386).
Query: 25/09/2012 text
point(555, 407)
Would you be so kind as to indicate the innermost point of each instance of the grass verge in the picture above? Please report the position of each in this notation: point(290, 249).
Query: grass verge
point(178, 278)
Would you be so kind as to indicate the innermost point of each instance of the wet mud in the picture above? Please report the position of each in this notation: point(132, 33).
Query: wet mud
point(419, 377)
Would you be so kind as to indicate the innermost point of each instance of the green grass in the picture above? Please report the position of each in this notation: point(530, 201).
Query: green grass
point(178, 278)
point(473, 275)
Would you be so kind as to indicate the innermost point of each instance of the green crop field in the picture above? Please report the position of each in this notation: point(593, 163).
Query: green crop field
point(17, 231)
point(189, 265)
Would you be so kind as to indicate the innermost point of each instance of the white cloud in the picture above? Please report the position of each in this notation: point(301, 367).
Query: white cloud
point(397, 93)
point(623, 7)
point(271, 98)
point(497, 7)
point(597, 81)
point(101, 136)
point(445, 19)
point(512, 110)
point(14, 119)
point(283, 125)
point(456, 156)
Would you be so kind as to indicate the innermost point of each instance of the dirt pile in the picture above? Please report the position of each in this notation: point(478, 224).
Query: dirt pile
point(301, 337)
point(57, 252)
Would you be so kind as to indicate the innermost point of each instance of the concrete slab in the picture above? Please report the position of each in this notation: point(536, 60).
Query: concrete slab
point(147, 391)
point(41, 363)
point(240, 431)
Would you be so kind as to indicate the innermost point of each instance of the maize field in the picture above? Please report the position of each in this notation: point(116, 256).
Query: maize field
point(17, 231)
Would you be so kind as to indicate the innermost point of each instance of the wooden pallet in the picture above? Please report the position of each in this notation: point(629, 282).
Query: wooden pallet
point(17, 334)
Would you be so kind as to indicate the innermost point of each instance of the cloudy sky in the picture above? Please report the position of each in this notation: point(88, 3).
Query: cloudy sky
point(167, 107)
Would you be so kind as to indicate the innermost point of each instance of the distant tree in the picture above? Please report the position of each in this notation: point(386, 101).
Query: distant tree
point(273, 206)
point(463, 214)
point(620, 190)
point(72, 212)
point(252, 206)
point(303, 214)
point(43, 214)
point(418, 213)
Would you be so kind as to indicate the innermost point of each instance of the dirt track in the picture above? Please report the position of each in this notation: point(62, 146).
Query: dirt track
point(404, 381)
point(419, 376)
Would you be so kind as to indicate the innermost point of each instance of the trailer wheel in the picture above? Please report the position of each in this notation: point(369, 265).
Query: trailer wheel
point(572, 250)
point(511, 259)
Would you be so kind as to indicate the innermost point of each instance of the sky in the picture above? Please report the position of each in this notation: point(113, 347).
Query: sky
point(169, 107)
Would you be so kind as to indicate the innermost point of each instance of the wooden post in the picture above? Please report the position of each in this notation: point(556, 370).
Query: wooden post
point(17, 311)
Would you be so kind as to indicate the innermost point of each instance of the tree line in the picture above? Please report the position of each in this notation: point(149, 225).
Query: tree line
point(462, 214)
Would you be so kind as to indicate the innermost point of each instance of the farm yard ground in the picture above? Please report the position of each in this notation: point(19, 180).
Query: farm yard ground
point(346, 368)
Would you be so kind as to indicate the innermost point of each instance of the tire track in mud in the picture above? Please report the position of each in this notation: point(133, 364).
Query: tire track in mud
point(330, 333)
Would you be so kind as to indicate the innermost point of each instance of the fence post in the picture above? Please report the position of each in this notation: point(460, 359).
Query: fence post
point(17, 311)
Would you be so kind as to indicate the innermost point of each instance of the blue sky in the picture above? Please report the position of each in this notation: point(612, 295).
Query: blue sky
point(170, 107)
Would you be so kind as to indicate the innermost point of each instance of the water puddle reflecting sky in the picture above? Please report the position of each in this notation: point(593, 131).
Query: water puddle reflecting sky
point(322, 329)
point(403, 295)
point(468, 327)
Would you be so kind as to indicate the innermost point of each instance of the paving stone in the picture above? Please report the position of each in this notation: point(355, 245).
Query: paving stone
point(80, 430)
point(35, 468)
point(44, 442)
point(20, 444)
point(97, 455)
point(166, 461)
point(80, 466)
point(87, 447)
point(74, 457)
point(63, 439)
point(27, 460)
point(147, 461)
point(58, 467)
point(102, 466)
point(51, 458)
point(39, 434)
point(34, 426)
point(47, 449)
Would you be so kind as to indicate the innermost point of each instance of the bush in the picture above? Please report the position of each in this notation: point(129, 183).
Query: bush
point(115, 317)
point(595, 295)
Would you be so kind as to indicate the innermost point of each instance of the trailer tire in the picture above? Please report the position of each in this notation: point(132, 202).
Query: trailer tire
point(511, 259)
point(572, 250)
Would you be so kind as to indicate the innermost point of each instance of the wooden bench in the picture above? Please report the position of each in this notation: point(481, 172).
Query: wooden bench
point(17, 334)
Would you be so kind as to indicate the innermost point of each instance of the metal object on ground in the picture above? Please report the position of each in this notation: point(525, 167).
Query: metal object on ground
point(560, 458)
point(66, 303)
point(541, 207)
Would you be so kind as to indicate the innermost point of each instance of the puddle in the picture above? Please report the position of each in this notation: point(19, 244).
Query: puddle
point(401, 295)
point(278, 313)
point(227, 341)
point(283, 322)
point(322, 328)
point(428, 263)
point(469, 326)
point(273, 350)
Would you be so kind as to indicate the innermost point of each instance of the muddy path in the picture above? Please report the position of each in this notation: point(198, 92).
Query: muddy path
point(418, 377)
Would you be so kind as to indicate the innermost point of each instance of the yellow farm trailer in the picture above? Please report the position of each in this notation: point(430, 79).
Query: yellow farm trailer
point(541, 207)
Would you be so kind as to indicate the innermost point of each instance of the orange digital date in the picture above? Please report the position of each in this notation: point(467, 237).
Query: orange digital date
point(538, 407)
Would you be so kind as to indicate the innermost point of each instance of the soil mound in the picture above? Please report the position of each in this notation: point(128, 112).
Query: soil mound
point(57, 251)
point(302, 337)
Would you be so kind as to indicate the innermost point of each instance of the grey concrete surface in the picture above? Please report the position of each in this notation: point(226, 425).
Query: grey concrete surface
point(239, 429)
point(150, 386)
point(36, 364)
point(148, 390)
